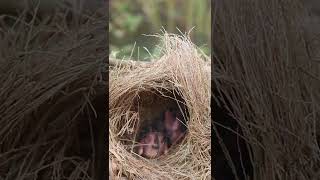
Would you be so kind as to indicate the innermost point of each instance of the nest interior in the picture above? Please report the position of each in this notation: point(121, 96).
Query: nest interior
point(151, 105)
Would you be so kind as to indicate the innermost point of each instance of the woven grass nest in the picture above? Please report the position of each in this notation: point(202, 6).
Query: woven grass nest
point(180, 78)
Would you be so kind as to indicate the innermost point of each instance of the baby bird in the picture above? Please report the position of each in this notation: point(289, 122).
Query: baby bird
point(173, 127)
point(152, 145)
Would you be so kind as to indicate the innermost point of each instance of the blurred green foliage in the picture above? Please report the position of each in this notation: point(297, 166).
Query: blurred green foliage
point(129, 20)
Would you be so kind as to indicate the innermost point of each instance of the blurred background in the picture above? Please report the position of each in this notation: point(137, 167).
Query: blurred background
point(129, 20)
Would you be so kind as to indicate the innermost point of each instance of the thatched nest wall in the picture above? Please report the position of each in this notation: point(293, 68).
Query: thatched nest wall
point(181, 76)
point(266, 63)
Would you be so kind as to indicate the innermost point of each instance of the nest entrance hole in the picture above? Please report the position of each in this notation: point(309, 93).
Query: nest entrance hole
point(151, 107)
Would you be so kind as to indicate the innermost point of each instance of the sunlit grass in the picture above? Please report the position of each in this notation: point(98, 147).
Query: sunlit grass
point(131, 19)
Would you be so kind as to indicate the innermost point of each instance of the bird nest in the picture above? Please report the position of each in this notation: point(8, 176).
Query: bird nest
point(179, 80)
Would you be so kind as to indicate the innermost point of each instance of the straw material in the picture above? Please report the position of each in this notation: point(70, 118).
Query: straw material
point(181, 69)
point(267, 66)
point(50, 73)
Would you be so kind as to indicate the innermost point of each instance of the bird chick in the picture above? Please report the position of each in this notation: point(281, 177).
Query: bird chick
point(152, 145)
point(173, 127)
